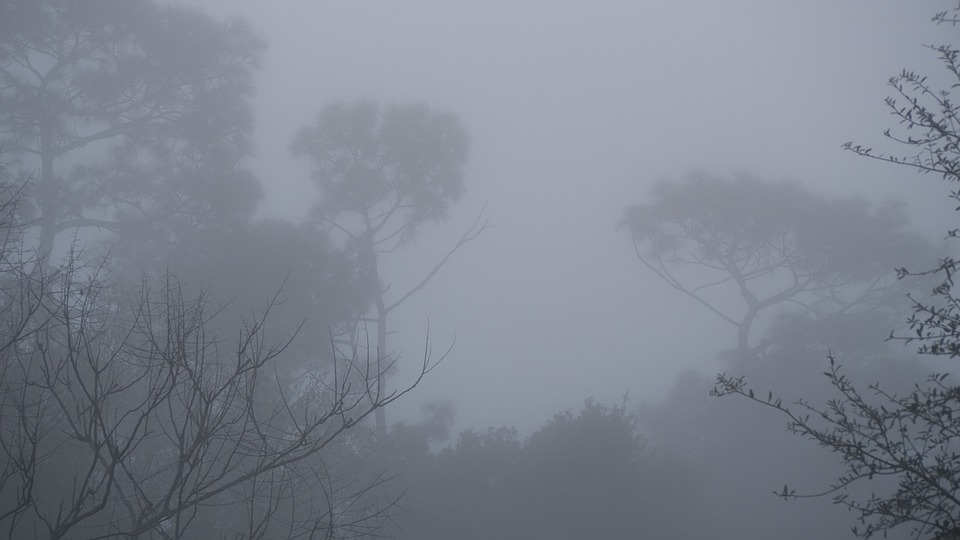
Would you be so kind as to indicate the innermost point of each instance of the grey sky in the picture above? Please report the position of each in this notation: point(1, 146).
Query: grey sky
point(574, 109)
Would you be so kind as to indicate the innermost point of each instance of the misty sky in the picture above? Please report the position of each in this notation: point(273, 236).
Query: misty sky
point(574, 110)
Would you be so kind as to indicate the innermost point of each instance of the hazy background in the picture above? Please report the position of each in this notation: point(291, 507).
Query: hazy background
point(574, 110)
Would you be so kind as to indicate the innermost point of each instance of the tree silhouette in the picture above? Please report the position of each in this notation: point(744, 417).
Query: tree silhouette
point(131, 415)
point(769, 244)
point(383, 174)
point(902, 446)
point(128, 116)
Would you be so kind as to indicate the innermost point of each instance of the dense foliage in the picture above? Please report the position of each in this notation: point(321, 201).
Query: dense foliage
point(584, 474)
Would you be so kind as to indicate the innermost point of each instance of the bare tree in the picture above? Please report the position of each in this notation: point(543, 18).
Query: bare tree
point(134, 416)
point(904, 444)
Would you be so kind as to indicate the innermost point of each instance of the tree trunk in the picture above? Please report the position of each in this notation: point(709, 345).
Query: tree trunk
point(47, 200)
point(381, 413)
point(381, 357)
point(743, 334)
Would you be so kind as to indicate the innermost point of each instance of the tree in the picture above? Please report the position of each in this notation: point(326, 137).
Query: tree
point(130, 117)
point(591, 463)
point(583, 474)
point(136, 415)
point(769, 244)
point(903, 446)
point(382, 174)
point(240, 270)
point(133, 118)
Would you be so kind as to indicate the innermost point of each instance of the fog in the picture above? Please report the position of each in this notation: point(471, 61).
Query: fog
point(614, 149)
point(575, 111)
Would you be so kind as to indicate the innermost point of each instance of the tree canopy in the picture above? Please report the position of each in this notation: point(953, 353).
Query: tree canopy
point(382, 174)
point(583, 474)
point(127, 116)
point(769, 244)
